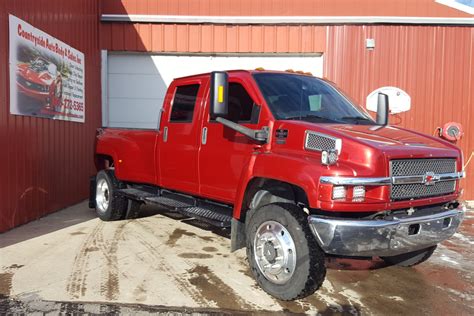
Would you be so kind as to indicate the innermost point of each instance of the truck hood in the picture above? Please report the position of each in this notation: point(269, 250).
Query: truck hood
point(391, 140)
point(390, 136)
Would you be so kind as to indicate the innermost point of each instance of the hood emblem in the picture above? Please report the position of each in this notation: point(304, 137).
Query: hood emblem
point(430, 178)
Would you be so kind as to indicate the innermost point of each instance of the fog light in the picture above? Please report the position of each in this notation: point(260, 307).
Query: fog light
point(338, 193)
point(358, 193)
point(329, 157)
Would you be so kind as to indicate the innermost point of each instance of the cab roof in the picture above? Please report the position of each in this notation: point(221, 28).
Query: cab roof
point(248, 72)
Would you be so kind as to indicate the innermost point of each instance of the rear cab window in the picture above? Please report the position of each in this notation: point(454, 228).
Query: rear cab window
point(184, 103)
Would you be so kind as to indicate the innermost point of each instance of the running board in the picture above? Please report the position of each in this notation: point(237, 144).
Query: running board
point(211, 213)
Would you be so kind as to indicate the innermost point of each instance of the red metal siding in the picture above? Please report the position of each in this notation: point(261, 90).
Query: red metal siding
point(434, 65)
point(282, 7)
point(46, 163)
point(213, 38)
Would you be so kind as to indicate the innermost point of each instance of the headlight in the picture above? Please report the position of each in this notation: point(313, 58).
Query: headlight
point(358, 193)
point(339, 192)
point(329, 157)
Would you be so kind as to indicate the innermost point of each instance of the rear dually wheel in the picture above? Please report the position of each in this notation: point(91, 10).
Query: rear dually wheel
point(109, 205)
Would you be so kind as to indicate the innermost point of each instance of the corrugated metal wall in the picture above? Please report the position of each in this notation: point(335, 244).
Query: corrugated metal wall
point(45, 164)
point(212, 38)
point(282, 7)
point(434, 65)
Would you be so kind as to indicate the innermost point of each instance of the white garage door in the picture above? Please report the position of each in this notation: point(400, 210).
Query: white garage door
point(136, 83)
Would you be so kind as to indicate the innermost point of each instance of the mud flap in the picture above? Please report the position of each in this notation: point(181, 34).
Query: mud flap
point(92, 188)
point(237, 235)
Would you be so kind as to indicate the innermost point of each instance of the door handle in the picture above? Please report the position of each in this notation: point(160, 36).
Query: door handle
point(165, 134)
point(204, 136)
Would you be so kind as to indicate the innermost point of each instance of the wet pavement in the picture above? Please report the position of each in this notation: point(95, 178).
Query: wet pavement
point(163, 263)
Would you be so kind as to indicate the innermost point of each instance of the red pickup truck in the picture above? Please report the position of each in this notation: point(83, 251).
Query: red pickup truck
point(292, 167)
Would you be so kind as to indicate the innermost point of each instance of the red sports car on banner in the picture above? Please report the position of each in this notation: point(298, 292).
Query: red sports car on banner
point(40, 80)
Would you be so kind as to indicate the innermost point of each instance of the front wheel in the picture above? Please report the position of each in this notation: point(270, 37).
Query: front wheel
point(283, 255)
point(412, 258)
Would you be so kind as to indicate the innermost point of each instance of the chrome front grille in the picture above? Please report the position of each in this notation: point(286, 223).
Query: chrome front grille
point(416, 167)
point(421, 167)
point(419, 190)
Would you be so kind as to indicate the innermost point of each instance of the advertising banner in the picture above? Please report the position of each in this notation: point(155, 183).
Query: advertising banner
point(46, 75)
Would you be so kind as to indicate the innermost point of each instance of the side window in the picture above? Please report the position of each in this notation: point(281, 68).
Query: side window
point(242, 108)
point(183, 103)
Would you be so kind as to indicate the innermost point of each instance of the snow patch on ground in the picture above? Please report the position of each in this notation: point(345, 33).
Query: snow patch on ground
point(353, 297)
point(327, 285)
point(396, 298)
point(448, 259)
point(464, 296)
point(463, 238)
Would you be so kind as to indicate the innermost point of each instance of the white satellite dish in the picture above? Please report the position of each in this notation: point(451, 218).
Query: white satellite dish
point(399, 101)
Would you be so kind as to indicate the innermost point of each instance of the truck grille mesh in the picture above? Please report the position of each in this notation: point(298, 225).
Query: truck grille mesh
point(416, 167)
point(315, 141)
point(419, 190)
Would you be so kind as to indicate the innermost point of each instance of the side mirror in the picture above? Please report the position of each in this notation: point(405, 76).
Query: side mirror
point(382, 109)
point(219, 94)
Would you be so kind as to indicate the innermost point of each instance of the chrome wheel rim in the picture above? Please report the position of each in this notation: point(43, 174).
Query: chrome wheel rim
point(102, 196)
point(275, 252)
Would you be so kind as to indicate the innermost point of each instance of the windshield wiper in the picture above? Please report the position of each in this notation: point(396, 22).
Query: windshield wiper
point(300, 117)
point(356, 118)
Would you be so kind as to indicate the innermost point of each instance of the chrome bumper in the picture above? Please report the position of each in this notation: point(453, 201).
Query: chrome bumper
point(384, 237)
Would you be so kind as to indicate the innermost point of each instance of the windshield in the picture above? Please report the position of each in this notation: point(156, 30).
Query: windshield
point(296, 97)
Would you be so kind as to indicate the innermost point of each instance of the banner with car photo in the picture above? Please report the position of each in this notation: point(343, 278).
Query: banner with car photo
point(46, 75)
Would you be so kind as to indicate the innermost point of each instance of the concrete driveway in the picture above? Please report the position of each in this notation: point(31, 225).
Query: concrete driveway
point(162, 262)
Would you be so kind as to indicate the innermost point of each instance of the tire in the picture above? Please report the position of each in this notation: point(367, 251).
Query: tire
point(412, 258)
point(302, 269)
point(109, 205)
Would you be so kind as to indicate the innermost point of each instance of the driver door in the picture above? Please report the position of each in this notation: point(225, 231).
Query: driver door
point(224, 152)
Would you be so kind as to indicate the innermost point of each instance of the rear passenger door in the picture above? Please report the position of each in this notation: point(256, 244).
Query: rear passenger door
point(180, 139)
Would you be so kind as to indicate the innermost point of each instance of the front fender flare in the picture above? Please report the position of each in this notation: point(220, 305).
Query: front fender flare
point(304, 173)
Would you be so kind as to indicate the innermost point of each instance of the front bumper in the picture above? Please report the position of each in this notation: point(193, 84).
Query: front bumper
point(366, 238)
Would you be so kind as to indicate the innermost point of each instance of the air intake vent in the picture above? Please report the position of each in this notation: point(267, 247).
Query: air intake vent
point(319, 142)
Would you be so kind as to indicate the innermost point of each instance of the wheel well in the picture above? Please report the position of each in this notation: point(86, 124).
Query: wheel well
point(260, 192)
point(263, 191)
point(103, 162)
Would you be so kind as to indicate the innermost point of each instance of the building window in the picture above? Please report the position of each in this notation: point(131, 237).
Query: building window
point(183, 103)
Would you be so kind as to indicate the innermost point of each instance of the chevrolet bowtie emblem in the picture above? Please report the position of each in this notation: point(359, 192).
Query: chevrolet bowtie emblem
point(431, 178)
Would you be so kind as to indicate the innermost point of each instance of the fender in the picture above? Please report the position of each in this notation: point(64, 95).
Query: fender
point(105, 148)
point(269, 166)
point(134, 157)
